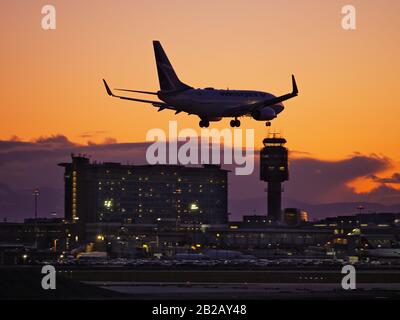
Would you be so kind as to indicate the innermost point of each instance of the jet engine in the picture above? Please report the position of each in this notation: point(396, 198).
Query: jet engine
point(264, 114)
point(214, 118)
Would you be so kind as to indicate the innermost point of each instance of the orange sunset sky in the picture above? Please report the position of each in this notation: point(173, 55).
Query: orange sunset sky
point(348, 80)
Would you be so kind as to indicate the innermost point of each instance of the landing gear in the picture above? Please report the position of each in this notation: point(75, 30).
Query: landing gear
point(268, 123)
point(204, 123)
point(235, 123)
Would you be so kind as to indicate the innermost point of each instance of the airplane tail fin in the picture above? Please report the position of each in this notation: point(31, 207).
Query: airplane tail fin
point(169, 81)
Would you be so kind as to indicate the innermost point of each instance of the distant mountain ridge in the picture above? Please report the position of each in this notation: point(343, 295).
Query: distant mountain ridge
point(316, 211)
point(324, 210)
point(18, 204)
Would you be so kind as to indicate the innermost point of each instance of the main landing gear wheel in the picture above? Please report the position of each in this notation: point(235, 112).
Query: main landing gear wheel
point(235, 123)
point(204, 123)
point(268, 123)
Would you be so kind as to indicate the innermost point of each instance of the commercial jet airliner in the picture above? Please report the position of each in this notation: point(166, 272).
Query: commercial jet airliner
point(208, 104)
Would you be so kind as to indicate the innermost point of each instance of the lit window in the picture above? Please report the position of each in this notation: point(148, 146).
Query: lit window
point(108, 204)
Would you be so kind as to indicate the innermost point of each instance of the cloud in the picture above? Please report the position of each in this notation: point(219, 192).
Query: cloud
point(14, 138)
point(382, 194)
point(107, 141)
point(55, 140)
point(25, 165)
point(395, 178)
point(299, 154)
point(92, 134)
point(312, 182)
point(317, 181)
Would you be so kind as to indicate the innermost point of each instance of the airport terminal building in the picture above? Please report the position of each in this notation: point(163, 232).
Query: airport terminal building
point(144, 194)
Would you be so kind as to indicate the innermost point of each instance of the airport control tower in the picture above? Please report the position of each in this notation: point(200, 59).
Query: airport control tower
point(274, 170)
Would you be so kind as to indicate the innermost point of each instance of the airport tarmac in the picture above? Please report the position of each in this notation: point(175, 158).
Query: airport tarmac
point(189, 291)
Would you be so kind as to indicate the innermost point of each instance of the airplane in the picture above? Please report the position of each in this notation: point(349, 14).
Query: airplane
point(208, 104)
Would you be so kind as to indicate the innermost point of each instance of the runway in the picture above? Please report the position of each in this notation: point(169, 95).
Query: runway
point(189, 291)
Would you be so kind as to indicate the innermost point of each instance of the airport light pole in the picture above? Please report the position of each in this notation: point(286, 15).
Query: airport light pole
point(36, 194)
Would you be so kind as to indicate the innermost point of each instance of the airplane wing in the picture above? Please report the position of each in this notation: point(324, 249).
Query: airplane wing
point(160, 105)
point(246, 109)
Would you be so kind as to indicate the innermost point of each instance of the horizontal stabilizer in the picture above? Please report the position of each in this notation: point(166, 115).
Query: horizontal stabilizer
point(137, 91)
point(157, 104)
point(154, 103)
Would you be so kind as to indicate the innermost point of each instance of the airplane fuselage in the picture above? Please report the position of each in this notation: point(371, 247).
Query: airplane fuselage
point(214, 102)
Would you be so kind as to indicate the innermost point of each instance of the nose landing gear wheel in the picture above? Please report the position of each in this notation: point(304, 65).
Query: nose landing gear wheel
point(235, 123)
point(204, 123)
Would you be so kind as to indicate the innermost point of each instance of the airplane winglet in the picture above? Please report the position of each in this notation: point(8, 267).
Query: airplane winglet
point(294, 85)
point(109, 92)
